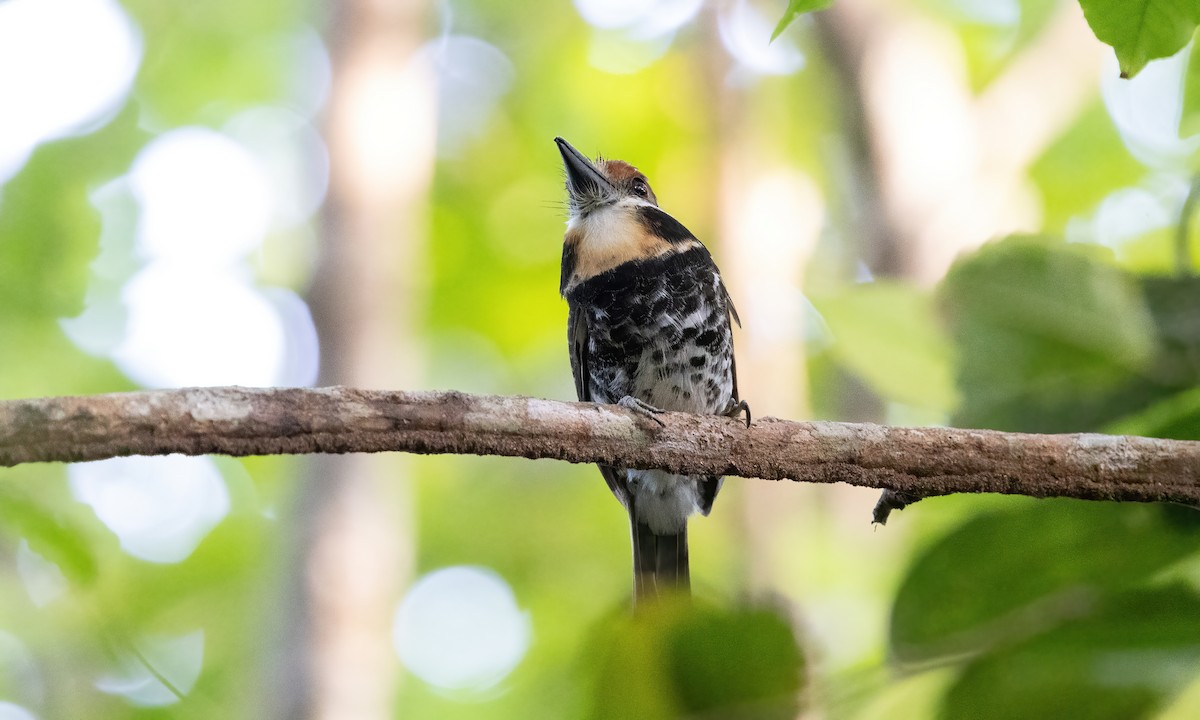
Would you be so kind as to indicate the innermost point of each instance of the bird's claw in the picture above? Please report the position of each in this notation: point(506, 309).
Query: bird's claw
point(737, 408)
point(643, 408)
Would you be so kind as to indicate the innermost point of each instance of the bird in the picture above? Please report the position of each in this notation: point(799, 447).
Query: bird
point(649, 327)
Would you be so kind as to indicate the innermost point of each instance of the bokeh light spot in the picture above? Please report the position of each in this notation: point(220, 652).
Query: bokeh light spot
point(192, 315)
point(609, 14)
point(203, 197)
point(631, 36)
point(160, 508)
point(43, 580)
point(620, 54)
point(997, 13)
point(640, 19)
point(188, 328)
point(310, 83)
point(64, 65)
point(1129, 213)
point(9, 711)
point(665, 17)
point(746, 34)
point(460, 628)
point(99, 328)
point(299, 362)
point(1147, 108)
point(472, 76)
point(291, 154)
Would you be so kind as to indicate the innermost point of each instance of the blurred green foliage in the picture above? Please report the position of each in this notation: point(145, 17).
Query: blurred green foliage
point(1063, 608)
point(1122, 658)
point(1048, 333)
point(673, 659)
point(1054, 338)
point(1081, 168)
point(980, 588)
point(893, 320)
point(200, 65)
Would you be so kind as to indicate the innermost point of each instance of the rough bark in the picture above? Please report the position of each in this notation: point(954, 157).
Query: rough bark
point(918, 461)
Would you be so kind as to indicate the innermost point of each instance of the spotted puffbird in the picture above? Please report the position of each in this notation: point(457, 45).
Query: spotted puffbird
point(649, 328)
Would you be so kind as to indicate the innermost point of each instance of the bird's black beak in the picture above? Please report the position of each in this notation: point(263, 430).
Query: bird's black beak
point(587, 187)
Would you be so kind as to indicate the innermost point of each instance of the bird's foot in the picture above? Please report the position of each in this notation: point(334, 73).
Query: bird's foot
point(737, 408)
point(641, 407)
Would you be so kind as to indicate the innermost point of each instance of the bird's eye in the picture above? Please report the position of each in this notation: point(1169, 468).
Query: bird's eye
point(641, 188)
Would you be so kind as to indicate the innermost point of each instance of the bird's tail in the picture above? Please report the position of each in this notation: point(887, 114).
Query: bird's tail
point(660, 562)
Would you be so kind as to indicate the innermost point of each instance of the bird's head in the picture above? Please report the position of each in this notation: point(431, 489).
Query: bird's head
point(595, 186)
point(615, 219)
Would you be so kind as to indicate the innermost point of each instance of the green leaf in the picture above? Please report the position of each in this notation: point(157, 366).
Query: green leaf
point(795, 9)
point(736, 665)
point(674, 659)
point(630, 656)
point(1176, 416)
point(1169, 388)
point(888, 335)
point(1142, 30)
point(1010, 575)
point(1122, 659)
point(1049, 337)
point(1051, 340)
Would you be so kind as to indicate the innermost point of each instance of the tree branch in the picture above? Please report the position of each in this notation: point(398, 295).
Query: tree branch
point(920, 461)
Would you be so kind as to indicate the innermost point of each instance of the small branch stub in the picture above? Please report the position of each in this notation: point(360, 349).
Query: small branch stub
point(913, 462)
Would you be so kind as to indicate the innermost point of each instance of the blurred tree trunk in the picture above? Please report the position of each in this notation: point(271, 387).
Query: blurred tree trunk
point(353, 539)
point(768, 217)
point(949, 180)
